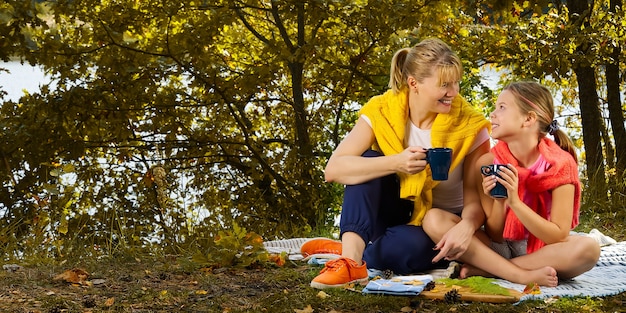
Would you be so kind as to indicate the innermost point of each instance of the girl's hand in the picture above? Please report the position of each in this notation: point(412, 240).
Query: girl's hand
point(489, 182)
point(510, 180)
point(412, 160)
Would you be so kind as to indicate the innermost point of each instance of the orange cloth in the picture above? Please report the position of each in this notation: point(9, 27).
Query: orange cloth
point(563, 170)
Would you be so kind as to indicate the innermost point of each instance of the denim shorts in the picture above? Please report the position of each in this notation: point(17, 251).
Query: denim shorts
point(510, 248)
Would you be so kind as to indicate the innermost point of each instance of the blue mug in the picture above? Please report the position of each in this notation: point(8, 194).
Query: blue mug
point(499, 191)
point(440, 160)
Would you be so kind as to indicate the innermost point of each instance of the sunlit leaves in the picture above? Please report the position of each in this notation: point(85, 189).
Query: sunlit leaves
point(238, 102)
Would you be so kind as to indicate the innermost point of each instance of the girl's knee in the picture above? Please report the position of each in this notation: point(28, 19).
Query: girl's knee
point(592, 248)
point(588, 249)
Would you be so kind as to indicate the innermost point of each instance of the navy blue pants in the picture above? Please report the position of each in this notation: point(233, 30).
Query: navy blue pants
point(375, 211)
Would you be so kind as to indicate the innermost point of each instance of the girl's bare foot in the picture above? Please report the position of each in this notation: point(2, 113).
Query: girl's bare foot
point(545, 276)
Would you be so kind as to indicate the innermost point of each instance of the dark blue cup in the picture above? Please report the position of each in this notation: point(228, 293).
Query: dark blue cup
point(439, 160)
point(499, 191)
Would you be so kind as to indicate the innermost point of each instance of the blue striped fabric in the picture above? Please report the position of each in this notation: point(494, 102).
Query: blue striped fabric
point(607, 278)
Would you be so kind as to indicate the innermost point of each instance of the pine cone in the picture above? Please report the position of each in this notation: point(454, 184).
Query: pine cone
point(387, 274)
point(452, 296)
point(429, 286)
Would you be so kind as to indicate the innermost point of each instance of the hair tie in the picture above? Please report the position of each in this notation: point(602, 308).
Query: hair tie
point(553, 127)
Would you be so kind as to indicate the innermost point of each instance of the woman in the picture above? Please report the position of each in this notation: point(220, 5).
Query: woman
point(389, 186)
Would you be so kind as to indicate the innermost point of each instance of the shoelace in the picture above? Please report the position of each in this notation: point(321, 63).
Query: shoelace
point(334, 265)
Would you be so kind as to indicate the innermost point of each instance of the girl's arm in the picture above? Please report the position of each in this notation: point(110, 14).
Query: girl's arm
point(472, 199)
point(558, 227)
point(550, 231)
point(347, 166)
point(495, 212)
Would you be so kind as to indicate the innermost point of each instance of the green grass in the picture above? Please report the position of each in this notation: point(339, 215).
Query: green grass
point(150, 281)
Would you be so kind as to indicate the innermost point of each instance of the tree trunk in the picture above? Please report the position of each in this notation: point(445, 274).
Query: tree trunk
point(616, 115)
point(589, 105)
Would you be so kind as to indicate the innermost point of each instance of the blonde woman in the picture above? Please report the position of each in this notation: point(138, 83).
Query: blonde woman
point(389, 186)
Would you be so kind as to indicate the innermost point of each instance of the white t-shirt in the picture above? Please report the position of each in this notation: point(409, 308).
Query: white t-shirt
point(448, 194)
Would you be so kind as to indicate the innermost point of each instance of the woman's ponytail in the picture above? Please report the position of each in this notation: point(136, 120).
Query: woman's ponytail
point(397, 79)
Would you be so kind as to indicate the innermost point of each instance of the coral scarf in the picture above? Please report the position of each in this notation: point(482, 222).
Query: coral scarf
point(389, 114)
point(563, 170)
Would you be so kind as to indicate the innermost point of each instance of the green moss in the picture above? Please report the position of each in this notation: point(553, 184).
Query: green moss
point(477, 284)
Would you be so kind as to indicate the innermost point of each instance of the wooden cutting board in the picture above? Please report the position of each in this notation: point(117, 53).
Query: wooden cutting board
point(466, 294)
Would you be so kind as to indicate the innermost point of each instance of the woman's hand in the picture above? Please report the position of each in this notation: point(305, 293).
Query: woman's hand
point(412, 160)
point(455, 242)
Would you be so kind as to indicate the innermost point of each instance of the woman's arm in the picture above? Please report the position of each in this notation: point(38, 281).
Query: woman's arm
point(347, 166)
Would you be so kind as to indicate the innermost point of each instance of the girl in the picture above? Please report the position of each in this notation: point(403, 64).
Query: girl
point(532, 226)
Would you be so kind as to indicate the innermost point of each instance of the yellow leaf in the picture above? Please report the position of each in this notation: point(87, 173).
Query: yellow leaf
point(308, 309)
point(463, 32)
point(109, 301)
point(322, 295)
point(201, 292)
point(62, 229)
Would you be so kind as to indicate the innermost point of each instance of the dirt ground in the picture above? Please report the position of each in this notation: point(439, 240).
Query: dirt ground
point(177, 285)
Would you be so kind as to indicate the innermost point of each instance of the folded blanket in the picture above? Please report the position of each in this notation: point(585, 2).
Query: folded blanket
point(411, 285)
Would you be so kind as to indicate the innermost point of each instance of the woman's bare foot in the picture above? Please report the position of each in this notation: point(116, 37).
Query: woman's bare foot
point(469, 271)
point(545, 276)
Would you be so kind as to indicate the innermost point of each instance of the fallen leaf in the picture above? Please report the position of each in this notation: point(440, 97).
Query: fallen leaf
point(201, 292)
point(322, 295)
point(109, 302)
point(74, 276)
point(98, 281)
point(308, 309)
point(532, 288)
point(277, 259)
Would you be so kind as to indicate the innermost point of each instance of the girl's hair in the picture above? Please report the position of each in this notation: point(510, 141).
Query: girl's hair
point(532, 96)
point(419, 62)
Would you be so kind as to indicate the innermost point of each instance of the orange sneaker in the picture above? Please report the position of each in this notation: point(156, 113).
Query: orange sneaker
point(339, 272)
point(320, 246)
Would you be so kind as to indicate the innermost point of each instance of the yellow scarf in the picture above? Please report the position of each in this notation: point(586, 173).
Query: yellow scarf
point(389, 115)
